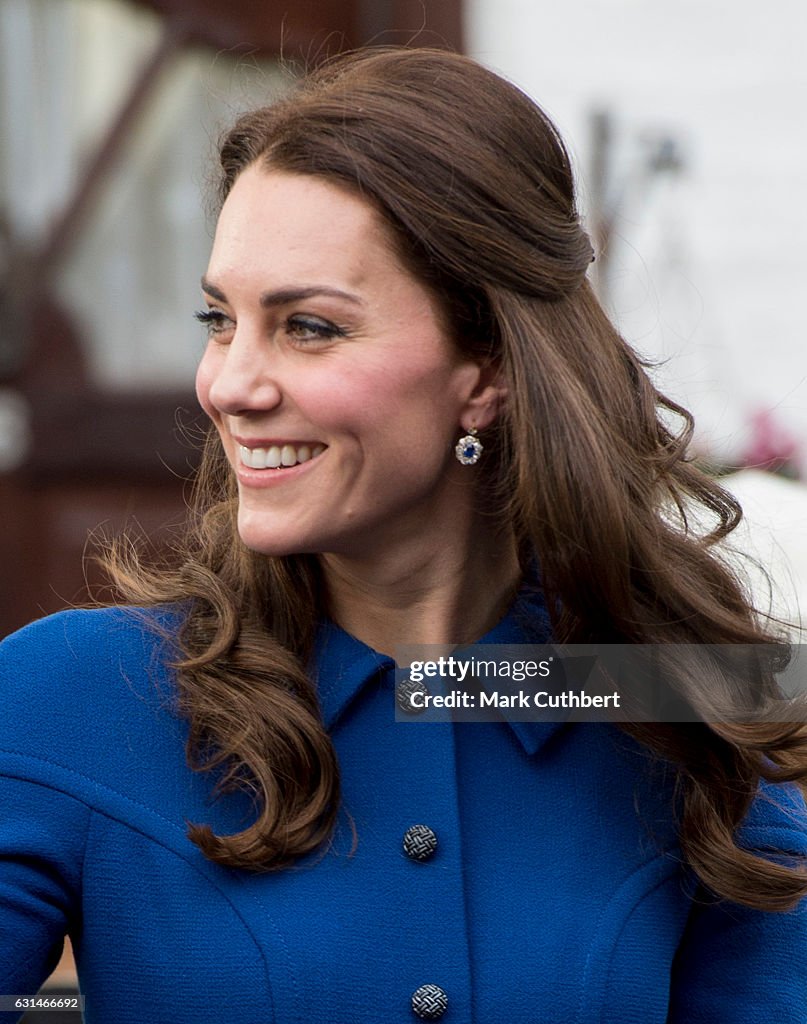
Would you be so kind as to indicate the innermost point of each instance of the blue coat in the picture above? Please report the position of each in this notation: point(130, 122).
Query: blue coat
point(556, 892)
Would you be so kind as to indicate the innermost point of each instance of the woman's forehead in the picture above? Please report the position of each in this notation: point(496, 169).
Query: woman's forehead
point(281, 230)
point(290, 220)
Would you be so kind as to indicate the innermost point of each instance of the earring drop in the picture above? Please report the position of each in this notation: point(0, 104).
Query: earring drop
point(468, 448)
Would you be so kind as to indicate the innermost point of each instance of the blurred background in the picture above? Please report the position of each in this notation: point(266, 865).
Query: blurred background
point(686, 124)
point(109, 115)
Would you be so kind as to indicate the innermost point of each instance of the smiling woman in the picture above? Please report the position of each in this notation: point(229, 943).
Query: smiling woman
point(325, 341)
point(424, 430)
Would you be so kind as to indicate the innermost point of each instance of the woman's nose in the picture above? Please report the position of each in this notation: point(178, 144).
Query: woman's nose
point(243, 378)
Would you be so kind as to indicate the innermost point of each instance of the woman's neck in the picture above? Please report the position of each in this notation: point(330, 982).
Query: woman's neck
point(449, 596)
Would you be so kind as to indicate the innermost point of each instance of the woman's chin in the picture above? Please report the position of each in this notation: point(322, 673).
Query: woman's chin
point(264, 539)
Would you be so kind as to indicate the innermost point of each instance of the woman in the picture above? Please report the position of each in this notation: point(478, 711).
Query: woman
point(424, 430)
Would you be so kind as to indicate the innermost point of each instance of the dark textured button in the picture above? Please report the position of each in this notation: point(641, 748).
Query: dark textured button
point(429, 1002)
point(419, 842)
point(403, 696)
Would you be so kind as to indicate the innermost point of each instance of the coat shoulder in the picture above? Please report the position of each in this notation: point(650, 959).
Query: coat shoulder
point(70, 673)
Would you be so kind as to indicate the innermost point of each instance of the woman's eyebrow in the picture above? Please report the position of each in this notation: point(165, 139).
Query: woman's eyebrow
point(213, 291)
point(284, 296)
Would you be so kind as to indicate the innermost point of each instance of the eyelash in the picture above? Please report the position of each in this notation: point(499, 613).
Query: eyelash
point(322, 330)
point(213, 320)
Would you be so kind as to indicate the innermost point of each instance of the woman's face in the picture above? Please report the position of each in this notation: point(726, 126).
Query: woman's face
point(335, 389)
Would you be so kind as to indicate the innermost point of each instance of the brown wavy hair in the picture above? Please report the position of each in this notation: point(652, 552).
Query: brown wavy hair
point(476, 185)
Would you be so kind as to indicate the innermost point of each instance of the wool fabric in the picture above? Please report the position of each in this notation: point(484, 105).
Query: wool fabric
point(556, 891)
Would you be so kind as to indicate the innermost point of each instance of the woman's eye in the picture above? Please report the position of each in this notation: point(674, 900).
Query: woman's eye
point(215, 321)
point(312, 328)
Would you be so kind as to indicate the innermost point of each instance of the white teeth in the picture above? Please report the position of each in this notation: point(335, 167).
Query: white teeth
point(277, 457)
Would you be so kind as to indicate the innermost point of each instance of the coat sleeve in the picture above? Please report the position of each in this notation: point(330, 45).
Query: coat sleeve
point(741, 966)
point(43, 827)
point(42, 836)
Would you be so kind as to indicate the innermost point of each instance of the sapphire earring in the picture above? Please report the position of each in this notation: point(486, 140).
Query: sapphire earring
point(468, 448)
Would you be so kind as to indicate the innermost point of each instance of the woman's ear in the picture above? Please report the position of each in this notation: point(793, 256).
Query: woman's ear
point(487, 400)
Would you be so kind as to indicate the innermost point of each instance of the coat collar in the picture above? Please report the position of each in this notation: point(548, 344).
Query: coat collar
point(343, 665)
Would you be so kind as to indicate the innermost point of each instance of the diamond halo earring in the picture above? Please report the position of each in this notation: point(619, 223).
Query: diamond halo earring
point(469, 448)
